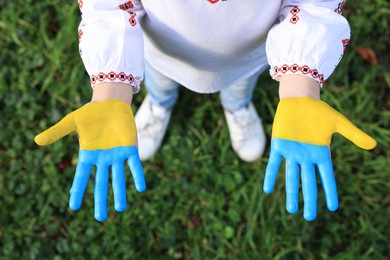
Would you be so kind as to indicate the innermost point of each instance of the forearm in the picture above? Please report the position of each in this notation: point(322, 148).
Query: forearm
point(298, 86)
point(309, 40)
point(114, 60)
point(105, 91)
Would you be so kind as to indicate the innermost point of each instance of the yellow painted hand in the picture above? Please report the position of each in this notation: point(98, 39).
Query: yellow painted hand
point(313, 121)
point(100, 125)
point(107, 136)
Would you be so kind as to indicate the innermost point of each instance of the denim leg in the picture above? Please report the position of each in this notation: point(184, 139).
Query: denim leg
point(162, 90)
point(238, 95)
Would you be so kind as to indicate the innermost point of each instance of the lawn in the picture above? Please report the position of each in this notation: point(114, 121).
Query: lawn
point(201, 202)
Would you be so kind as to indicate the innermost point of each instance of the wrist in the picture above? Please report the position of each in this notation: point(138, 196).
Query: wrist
point(298, 86)
point(105, 91)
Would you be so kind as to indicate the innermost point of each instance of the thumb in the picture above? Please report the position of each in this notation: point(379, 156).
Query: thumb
point(57, 131)
point(354, 134)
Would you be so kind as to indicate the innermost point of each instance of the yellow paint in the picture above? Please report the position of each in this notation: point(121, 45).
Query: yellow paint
point(312, 121)
point(101, 125)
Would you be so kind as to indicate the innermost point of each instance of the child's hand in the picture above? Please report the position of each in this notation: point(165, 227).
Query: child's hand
point(107, 136)
point(301, 133)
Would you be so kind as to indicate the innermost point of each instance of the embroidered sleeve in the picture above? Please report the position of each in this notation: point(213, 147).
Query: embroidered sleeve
point(111, 42)
point(309, 39)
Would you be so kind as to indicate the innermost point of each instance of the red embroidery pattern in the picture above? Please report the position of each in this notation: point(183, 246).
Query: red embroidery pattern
point(125, 7)
point(132, 19)
point(214, 1)
point(339, 8)
point(80, 2)
point(304, 70)
point(112, 76)
point(294, 11)
point(80, 35)
point(345, 43)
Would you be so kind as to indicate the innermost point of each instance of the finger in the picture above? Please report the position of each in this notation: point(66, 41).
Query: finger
point(292, 186)
point(119, 186)
point(309, 189)
point(137, 172)
point(354, 134)
point(271, 172)
point(57, 131)
point(329, 185)
point(79, 185)
point(101, 192)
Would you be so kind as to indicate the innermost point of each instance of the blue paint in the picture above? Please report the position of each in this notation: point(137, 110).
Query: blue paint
point(302, 158)
point(104, 160)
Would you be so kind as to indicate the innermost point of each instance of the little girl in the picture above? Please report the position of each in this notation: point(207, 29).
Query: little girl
point(208, 46)
point(221, 46)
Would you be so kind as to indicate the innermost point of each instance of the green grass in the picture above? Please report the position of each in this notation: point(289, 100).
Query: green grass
point(201, 201)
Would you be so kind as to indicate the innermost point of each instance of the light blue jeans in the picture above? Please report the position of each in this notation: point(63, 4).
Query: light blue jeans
point(164, 91)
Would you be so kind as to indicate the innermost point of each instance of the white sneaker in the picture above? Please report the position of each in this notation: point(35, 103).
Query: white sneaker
point(152, 122)
point(246, 133)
